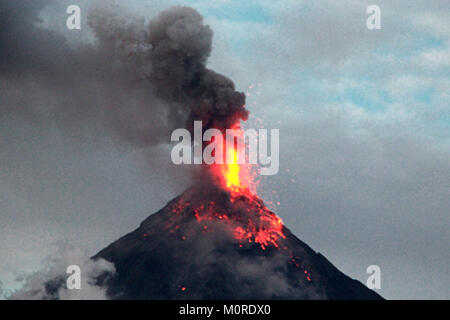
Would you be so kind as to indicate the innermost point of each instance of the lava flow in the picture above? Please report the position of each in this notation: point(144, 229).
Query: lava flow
point(232, 201)
point(234, 175)
point(232, 171)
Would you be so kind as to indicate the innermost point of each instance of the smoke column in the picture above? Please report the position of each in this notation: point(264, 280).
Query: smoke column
point(142, 80)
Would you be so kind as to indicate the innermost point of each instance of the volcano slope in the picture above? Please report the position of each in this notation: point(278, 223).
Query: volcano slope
point(209, 244)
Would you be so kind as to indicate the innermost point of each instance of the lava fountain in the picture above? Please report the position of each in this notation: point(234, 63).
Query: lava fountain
point(232, 199)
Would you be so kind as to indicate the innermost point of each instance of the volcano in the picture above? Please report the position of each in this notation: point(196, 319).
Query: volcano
point(144, 78)
point(210, 243)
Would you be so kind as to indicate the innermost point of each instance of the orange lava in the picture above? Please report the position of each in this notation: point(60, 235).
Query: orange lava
point(232, 170)
point(235, 177)
point(243, 212)
point(263, 226)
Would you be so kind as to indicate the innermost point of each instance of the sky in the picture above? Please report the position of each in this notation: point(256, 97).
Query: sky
point(364, 119)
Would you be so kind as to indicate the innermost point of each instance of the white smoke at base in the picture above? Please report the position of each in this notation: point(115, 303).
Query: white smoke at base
point(51, 282)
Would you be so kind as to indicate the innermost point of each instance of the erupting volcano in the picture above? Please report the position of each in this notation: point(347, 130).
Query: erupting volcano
point(218, 240)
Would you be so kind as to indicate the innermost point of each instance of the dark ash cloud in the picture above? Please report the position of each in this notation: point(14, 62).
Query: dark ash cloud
point(140, 79)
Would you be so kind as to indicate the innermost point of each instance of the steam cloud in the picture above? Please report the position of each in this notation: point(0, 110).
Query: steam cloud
point(142, 80)
point(50, 284)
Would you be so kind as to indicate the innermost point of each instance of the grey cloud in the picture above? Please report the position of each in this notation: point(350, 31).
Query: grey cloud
point(142, 81)
point(51, 283)
point(375, 194)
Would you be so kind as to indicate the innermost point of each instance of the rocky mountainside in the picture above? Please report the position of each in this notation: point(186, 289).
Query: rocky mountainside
point(207, 244)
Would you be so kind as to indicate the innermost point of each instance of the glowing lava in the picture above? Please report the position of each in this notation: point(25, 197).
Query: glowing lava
point(235, 176)
point(263, 226)
point(232, 202)
point(232, 171)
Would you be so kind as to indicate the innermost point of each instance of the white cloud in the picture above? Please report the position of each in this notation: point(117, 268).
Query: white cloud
point(36, 284)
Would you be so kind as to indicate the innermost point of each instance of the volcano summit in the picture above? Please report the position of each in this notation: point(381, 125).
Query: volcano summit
point(211, 244)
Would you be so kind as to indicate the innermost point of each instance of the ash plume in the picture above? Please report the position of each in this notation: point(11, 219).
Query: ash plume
point(171, 54)
point(140, 80)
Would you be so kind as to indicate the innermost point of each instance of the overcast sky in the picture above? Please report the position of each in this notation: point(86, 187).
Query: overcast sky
point(364, 119)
